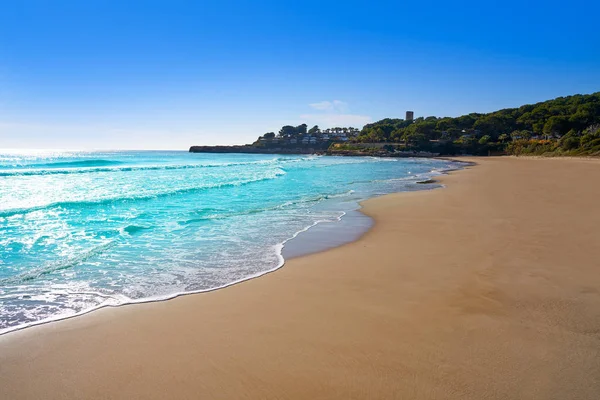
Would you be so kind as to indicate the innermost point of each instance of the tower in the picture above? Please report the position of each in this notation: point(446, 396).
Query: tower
point(410, 115)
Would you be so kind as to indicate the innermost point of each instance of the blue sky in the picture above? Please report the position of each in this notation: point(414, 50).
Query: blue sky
point(169, 74)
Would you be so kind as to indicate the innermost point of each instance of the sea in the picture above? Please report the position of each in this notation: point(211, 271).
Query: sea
point(83, 230)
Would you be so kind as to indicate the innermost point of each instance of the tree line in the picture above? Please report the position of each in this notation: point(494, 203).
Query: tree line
point(565, 125)
point(302, 129)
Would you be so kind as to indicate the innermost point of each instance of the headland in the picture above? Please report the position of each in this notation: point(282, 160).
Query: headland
point(565, 126)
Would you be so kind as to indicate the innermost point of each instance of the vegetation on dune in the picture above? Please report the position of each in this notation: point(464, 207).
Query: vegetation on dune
point(563, 126)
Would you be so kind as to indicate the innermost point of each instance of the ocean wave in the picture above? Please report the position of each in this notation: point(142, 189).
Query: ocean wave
point(343, 161)
point(78, 164)
point(85, 203)
point(133, 229)
point(215, 214)
point(56, 266)
point(146, 251)
point(117, 299)
point(87, 169)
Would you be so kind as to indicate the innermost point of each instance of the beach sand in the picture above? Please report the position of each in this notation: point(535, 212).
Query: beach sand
point(486, 289)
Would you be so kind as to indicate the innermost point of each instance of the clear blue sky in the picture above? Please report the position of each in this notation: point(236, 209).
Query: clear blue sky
point(168, 74)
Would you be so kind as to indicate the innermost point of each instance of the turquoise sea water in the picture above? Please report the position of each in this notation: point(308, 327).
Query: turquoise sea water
point(81, 230)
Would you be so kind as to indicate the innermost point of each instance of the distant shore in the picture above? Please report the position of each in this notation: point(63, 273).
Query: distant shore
point(488, 288)
point(323, 149)
point(247, 149)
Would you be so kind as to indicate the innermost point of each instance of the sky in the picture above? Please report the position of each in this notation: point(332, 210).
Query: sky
point(170, 74)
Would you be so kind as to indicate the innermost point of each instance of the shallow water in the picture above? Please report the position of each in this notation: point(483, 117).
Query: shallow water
point(80, 230)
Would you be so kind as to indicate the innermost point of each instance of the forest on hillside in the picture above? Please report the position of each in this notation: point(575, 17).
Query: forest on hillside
point(563, 126)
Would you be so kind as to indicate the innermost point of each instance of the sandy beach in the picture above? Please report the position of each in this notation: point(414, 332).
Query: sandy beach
point(486, 289)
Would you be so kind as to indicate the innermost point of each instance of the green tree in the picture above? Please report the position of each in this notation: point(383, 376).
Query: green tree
point(495, 124)
point(269, 135)
point(396, 135)
point(516, 135)
point(301, 129)
point(426, 128)
point(552, 118)
point(570, 143)
point(415, 139)
point(466, 140)
point(287, 130)
point(377, 135)
point(571, 140)
point(555, 125)
point(444, 124)
point(314, 129)
point(485, 140)
point(593, 130)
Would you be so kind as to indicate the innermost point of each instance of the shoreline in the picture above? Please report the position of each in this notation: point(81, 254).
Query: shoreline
point(173, 296)
point(299, 250)
point(448, 286)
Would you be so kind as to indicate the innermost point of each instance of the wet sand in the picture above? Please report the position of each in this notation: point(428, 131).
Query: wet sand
point(486, 289)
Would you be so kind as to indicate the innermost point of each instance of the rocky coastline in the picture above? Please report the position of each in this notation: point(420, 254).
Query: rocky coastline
point(257, 150)
point(321, 150)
